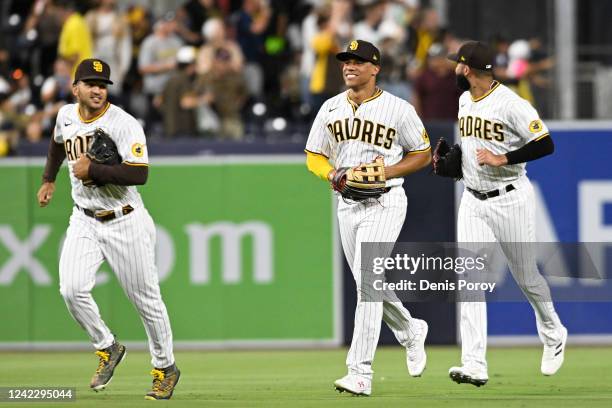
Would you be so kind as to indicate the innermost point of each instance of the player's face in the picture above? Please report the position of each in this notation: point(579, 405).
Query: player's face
point(91, 94)
point(357, 73)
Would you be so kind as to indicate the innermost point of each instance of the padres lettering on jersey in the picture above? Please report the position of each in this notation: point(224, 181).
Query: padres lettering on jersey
point(383, 125)
point(77, 146)
point(76, 134)
point(481, 128)
point(364, 131)
point(499, 121)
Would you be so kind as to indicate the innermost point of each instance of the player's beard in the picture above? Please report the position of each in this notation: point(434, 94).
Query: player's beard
point(462, 82)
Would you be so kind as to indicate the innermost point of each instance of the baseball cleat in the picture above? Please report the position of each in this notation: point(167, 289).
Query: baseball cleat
point(164, 381)
point(552, 358)
point(110, 358)
point(416, 358)
point(465, 375)
point(354, 384)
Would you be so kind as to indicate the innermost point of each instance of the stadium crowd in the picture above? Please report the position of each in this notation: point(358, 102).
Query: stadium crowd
point(231, 68)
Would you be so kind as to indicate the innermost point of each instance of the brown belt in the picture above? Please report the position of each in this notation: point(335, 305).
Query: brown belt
point(105, 215)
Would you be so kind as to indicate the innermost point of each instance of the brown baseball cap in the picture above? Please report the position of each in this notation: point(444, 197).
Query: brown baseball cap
point(93, 69)
point(362, 50)
point(474, 54)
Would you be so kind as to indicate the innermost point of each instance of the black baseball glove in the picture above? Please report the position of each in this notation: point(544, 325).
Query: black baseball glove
point(102, 150)
point(446, 160)
point(362, 182)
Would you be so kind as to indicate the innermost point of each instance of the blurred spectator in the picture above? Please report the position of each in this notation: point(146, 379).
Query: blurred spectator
point(500, 45)
point(226, 90)
point(58, 87)
point(277, 54)
point(527, 73)
point(251, 22)
point(540, 63)
point(451, 42)
point(43, 27)
point(191, 16)
point(518, 59)
point(518, 69)
point(540, 66)
point(341, 11)
point(112, 40)
point(401, 11)
point(11, 123)
point(309, 30)
point(215, 36)
point(140, 27)
point(426, 30)
point(436, 94)
point(342, 19)
point(22, 94)
point(157, 60)
point(179, 119)
point(326, 80)
point(393, 60)
point(20, 102)
point(55, 92)
point(369, 28)
point(75, 42)
point(290, 90)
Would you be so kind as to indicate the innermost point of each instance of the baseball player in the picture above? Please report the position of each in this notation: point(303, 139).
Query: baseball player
point(108, 222)
point(500, 132)
point(352, 128)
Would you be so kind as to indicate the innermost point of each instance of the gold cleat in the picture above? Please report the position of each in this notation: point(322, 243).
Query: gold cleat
point(164, 381)
point(110, 358)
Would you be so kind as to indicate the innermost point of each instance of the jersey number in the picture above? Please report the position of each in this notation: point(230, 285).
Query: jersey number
point(77, 146)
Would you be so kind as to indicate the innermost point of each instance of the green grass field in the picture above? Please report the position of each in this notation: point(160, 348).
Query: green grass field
point(304, 379)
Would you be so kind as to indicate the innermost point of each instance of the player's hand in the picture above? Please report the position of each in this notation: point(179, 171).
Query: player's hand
point(485, 156)
point(45, 193)
point(80, 169)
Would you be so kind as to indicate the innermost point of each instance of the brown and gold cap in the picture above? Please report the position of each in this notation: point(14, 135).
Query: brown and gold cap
point(93, 69)
point(362, 50)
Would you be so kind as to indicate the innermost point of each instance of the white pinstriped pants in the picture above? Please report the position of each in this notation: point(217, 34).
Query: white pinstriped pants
point(128, 245)
point(510, 220)
point(373, 222)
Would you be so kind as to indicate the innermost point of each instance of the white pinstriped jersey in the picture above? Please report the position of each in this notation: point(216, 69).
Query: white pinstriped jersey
point(500, 121)
point(76, 135)
point(383, 125)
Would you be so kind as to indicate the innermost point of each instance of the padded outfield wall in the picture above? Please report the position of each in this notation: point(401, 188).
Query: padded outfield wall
point(244, 257)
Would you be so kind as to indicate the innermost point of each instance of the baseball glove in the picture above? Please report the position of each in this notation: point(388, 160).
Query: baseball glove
point(362, 182)
point(102, 150)
point(447, 160)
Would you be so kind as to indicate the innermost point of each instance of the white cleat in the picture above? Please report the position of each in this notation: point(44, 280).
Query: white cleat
point(354, 384)
point(468, 375)
point(552, 358)
point(416, 358)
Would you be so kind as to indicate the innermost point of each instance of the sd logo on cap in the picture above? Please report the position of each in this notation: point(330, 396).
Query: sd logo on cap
point(93, 69)
point(361, 50)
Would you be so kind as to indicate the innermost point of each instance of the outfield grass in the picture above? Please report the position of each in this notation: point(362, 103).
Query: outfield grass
point(304, 379)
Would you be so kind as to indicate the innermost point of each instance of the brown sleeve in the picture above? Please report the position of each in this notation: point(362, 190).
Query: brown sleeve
point(55, 156)
point(118, 174)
